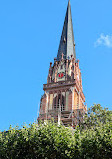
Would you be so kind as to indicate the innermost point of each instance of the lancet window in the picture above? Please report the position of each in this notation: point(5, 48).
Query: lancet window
point(59, 102)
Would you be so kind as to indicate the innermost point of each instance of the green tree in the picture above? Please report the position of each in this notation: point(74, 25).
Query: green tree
point(96, 117)
point(92, 140)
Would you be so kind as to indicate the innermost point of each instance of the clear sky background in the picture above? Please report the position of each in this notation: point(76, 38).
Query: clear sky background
point(30, 32)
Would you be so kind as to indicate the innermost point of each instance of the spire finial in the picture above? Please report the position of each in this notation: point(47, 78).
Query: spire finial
point(69, 2)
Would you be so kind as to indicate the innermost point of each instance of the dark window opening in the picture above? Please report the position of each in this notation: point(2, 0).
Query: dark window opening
point(59, 102)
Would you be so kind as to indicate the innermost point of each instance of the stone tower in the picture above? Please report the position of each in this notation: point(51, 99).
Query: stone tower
point(63, 100)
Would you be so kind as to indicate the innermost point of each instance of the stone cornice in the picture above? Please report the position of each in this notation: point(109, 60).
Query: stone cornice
point(59, 85)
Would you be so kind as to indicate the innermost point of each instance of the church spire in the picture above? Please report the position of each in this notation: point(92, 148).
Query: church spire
point(67, 46)
point(61, 98)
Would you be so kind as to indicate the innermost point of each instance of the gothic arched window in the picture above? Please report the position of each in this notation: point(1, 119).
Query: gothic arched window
point(63, 103)
point(59, 102)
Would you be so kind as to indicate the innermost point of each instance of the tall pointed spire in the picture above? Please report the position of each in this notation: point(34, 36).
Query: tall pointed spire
point(67, 46)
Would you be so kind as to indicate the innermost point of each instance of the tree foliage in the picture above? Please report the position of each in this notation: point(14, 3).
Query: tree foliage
point(92, 140)
point(97, 116)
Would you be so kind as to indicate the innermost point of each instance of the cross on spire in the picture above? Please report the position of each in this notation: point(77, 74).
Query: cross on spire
point(67, 46)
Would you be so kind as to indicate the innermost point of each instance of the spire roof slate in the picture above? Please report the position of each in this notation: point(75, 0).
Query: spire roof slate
point(67, 46)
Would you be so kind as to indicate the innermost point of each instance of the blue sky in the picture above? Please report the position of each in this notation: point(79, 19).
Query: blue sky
point(30, 32)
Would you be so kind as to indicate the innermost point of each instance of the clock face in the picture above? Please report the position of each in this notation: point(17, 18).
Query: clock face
point(60, 75)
